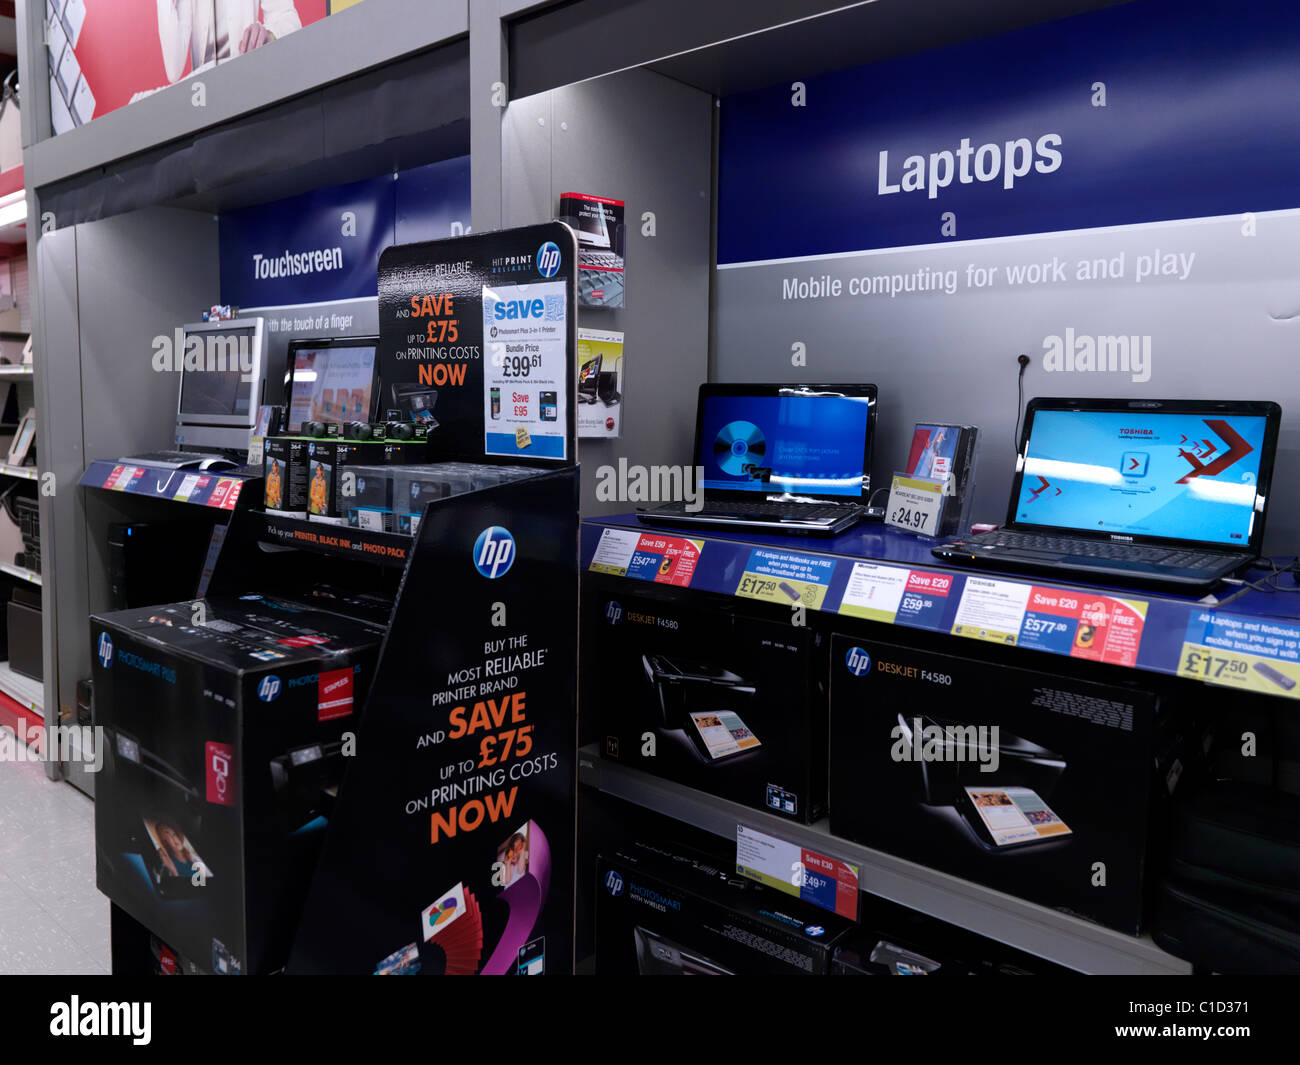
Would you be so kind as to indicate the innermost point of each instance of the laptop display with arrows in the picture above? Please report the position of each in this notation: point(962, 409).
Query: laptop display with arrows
point(1158, 492)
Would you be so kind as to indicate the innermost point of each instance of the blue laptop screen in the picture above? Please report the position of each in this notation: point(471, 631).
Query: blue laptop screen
point(1184, 476)
point(804, 445)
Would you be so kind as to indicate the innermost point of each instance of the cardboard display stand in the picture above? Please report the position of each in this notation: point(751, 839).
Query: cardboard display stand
point(449, 846)
point(451, 849)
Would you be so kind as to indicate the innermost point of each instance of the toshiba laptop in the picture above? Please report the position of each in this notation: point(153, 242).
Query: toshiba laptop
point(1155, 492)
point(780, 458)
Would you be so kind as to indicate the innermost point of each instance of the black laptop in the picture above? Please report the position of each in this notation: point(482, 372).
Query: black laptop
point(780, 458)
point(1155, 492)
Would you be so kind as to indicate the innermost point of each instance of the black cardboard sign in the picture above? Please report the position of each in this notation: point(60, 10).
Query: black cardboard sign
point(451, 848)
point(477, 336)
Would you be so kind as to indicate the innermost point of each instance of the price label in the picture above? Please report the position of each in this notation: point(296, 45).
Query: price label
point(915, 504)
point(1236, 670)
point(786, 578)
point(1242, 652)
point(820, 879)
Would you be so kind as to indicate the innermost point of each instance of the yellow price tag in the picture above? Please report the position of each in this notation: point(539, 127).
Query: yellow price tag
point(783, 590)
point(1233, 669)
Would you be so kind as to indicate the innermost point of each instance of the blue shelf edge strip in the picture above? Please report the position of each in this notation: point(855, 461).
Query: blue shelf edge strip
point(209, 488)
point(1251, 646)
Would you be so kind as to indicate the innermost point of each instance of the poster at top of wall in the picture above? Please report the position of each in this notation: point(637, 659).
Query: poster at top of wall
point(105, 54)
point(1137, 113)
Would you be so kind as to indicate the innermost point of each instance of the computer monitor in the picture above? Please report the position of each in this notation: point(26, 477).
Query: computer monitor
point(331, 380)
point(802, 440)
point(223, 382)
point(1147, 471)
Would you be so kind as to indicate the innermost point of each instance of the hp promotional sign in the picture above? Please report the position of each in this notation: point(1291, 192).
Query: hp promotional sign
point(494, 552)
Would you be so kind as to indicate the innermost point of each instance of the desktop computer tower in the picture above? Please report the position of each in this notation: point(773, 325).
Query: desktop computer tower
point(155, 562)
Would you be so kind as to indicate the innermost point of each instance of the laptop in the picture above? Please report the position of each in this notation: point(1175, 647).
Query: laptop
point(1167, 493)
point(589, 380)
point(780, 458)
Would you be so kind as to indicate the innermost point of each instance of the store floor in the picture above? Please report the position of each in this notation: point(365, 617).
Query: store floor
point(52, 920)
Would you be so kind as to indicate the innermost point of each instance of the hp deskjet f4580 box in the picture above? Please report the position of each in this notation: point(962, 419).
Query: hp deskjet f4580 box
point(1036, 784)
point(226, 725)
point(691, 688)
point(668, 911)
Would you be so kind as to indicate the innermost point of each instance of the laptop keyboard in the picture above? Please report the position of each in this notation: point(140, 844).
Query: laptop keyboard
point(603, 259)
point(1060, 546)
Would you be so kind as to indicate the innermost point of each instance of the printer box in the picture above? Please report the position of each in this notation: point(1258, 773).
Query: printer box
point(693, 688)
point(323, 482)
point(224, 730)
point(662, 910)
point(1036, 784)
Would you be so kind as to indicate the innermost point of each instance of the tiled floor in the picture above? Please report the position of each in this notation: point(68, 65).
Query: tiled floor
point(52, 920)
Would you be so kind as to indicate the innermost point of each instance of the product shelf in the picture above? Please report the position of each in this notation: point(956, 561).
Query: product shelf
point(1038, 930)
point(340, 541)
point(21, 572)
point(853, 576)
point(218, 489)
point(28, 693)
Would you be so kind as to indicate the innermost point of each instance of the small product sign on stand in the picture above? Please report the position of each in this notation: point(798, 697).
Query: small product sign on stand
point(915, 504)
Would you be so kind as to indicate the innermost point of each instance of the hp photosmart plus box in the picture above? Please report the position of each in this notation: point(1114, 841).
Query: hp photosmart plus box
point(662, 910)
point(225, 730)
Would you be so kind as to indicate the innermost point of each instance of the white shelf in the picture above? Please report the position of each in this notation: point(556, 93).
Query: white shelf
point(23, 690)
point(1038, 930)
point(10, 369)
point(20, 571)
point(27, 473)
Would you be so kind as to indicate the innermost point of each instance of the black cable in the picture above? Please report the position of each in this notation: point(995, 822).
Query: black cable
point(1267, 583)
point(1023, 360)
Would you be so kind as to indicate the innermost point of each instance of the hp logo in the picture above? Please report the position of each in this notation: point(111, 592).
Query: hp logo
point(613, 612)
point(105, 650)
point(614, 884)
point(494, 552)
point(548, 259)
point(858, 661)
point(269, 688)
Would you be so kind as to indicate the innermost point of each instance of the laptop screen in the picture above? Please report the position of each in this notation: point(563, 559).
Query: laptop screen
point(813, 443)
point(1185, 476)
